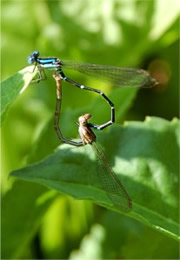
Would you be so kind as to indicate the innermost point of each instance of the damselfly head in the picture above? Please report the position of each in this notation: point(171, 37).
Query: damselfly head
point(83, 120)
point(33, 57)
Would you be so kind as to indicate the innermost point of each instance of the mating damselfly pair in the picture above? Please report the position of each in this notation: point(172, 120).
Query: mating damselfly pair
point(108, 179)
point(121, 77)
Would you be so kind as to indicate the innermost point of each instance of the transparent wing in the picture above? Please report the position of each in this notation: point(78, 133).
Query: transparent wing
point(110, 182)
point(121, 77)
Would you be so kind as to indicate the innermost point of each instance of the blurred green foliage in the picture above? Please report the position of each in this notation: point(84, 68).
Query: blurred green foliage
point(124, 33)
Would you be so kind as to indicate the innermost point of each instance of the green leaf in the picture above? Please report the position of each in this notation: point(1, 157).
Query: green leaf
point(125, 236)
point(22, 210)
point(145, 157)
point(13, 86)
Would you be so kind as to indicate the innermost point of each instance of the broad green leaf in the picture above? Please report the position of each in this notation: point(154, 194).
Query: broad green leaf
point(13, 86)
point(22, 212)
point(134, 240)
point(144, 155)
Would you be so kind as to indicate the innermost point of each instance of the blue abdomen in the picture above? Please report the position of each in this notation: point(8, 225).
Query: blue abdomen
point(46, 61)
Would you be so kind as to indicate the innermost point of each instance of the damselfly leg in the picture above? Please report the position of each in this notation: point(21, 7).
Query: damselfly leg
point(41, 75)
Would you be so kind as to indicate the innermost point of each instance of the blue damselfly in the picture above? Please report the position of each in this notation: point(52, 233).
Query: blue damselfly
point(121, 77)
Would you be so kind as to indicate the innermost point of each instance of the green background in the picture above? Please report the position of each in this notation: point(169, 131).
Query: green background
point(39, 223)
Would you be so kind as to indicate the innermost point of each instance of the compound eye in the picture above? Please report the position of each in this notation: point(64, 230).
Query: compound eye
point(31, 59)
point(36, 53)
